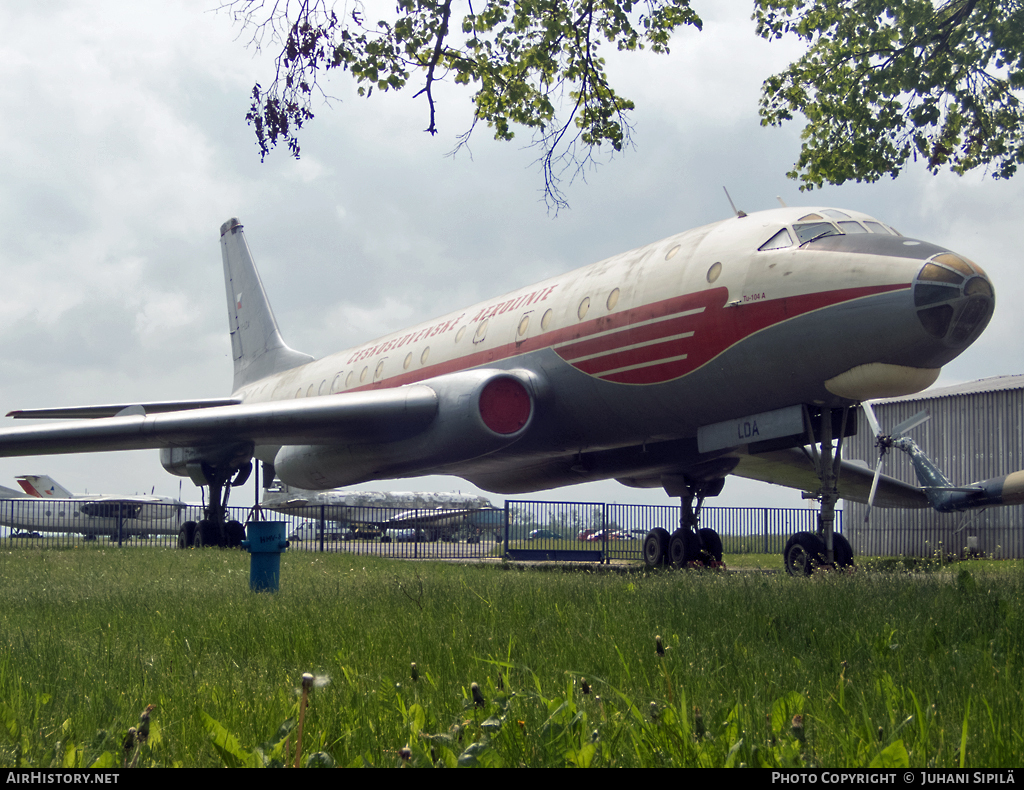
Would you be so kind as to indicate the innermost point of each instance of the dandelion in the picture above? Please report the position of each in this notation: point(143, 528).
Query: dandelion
point(129, 740)
point(307, 684)
point(143, 731)
point(659, 647)
point(478, 697)
point(797, 727)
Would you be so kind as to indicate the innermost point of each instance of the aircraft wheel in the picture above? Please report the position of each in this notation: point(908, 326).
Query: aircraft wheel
point(683, 548)
point(236, 533)
point(803, 553)
point(842, 551)
point(656, 547)
point(203, 535)
point(187, 535)
point(712, 543)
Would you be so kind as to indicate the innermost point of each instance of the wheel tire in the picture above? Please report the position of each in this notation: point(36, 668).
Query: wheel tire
point(236, 533)
point(683, 548)
point(656, 547)
point(203, 535)
point(712, 543)
point(804, 552)
point(842, 551)
point(187, 535)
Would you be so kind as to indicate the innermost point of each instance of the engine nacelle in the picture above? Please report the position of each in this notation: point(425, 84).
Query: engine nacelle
point(479, 412)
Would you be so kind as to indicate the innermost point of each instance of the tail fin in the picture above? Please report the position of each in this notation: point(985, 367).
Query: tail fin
point(256, 344)
point(43, 486)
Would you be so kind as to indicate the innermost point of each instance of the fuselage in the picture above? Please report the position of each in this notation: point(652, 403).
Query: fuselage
point(747, 315)
point(92, 516)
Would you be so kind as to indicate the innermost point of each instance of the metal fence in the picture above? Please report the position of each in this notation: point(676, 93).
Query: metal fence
point(584, 531)
point(603, 532)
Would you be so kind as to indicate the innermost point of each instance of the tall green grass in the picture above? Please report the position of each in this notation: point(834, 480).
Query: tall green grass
point(883, 668)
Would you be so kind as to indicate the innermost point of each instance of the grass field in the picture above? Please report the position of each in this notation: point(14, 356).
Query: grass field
point(882, 668)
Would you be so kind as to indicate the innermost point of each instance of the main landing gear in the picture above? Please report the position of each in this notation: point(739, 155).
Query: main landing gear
point(806, 551)
point(214, 529)
point(688, 546)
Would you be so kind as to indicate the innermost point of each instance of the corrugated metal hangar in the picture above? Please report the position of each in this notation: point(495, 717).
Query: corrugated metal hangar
point(976, 432)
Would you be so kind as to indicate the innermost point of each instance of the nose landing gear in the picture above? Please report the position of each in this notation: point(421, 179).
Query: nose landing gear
point(806, 551)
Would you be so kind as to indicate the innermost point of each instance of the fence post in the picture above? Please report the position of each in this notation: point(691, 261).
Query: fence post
point(765, 519)
point(604, 533)
point(323, 527)
point(507, 520)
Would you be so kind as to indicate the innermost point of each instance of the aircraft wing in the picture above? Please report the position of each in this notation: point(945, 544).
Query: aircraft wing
point(379, 415)
point(793, 468)
point(113, 409)
point(427, 516)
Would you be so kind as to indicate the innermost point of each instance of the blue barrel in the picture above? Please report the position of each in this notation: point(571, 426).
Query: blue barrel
point(265, 542)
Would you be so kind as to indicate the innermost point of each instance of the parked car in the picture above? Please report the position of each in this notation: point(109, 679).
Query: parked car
point(310, 530)
point(605, 534)
point(544, 534)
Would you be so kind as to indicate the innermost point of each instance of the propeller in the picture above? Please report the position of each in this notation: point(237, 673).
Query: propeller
point(884, 442)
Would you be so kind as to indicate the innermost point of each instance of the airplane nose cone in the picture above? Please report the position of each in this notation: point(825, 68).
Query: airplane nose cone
point(954, 299)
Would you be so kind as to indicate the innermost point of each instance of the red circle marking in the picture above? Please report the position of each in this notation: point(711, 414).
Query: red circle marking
point(505, 405)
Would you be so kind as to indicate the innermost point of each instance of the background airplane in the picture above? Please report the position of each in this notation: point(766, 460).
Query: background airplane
point(44, 505)
point(721, 350)
point(438, 515)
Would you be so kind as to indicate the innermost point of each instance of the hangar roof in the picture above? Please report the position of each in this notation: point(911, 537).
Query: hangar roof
point(992, 384)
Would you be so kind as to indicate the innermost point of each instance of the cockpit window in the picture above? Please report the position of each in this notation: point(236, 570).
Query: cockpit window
point(808, 231)
point(835, 214)
point(876, 227)
point(852, 227)
point(779, 241)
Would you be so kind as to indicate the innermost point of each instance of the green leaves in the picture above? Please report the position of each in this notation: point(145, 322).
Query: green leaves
point(884, 81)
point(534, 65)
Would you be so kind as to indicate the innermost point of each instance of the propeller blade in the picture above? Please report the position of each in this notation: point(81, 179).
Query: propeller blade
point(874, 486)
point(912, 422)
point(870, 414)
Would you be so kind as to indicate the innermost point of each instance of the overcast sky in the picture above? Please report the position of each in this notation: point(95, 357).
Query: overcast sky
point(125, 148)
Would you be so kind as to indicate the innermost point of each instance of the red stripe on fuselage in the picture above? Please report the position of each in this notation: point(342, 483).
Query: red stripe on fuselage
point(716, 328)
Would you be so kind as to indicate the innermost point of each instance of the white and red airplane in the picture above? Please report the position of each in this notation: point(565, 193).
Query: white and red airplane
point(47, 506)
point(735, 348)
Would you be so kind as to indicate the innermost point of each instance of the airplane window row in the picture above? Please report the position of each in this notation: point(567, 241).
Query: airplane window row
point(341, 381)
